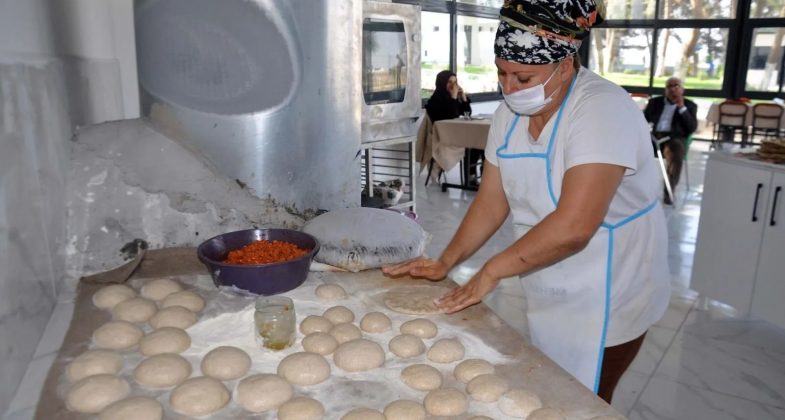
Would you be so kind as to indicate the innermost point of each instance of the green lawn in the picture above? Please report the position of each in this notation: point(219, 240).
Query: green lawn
point(643, 80)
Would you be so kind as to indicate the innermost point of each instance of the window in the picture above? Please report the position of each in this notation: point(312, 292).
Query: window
point(476, 68)
point(767, 8)
point(630, 9)
point(764, 71)
point(696, 55)
point(488, 3)
point(384, 61)
point(640, 44)
point(706, 9)
point(622, 55)
point(434, 49)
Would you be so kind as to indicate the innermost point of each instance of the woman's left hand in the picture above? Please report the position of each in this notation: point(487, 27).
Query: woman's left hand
point(469, 294)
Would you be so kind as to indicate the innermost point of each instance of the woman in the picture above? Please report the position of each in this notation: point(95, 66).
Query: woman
point(448, 100)
point(569, 156)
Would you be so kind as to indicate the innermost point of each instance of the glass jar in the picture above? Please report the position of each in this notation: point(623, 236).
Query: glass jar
point(275, 322)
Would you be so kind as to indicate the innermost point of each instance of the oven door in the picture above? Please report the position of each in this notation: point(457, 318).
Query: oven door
point(390, 69)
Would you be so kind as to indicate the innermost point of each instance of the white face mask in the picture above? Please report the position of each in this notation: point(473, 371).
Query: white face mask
point(530, 100)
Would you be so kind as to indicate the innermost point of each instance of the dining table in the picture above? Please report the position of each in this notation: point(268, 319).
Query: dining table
point(451, 142)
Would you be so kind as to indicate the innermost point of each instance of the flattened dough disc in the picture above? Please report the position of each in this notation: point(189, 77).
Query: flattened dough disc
point(415, 300)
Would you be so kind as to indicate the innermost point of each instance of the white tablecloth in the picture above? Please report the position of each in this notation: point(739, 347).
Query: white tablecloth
point(451, 137)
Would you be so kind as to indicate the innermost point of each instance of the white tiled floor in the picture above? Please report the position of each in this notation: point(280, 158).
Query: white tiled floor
point(695, 363)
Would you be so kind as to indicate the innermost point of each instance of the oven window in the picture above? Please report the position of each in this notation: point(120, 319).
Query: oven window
point(384, 61)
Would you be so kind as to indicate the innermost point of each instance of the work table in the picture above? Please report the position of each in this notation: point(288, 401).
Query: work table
point(483, 333)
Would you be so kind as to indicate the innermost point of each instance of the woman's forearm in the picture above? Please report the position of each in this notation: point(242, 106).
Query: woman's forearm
point(484, 217)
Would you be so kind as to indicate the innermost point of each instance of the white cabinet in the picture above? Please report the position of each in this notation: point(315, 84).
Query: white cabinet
point(740, 252)
point(767, 301)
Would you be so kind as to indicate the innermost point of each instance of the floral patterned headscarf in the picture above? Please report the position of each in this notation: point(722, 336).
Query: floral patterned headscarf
point(544, 31)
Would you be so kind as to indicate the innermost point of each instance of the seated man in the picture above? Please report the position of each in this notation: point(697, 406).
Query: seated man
point(675, 117)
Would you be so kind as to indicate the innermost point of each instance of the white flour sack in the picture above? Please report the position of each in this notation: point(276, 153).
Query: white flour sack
point(361, 238)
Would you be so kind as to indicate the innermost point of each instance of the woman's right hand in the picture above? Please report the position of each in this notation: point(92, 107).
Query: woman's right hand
point(422, 267)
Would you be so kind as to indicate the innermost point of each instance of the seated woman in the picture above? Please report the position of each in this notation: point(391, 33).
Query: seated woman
point(449, 101)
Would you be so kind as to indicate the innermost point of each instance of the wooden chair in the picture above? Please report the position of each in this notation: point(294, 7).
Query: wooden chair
point(766, 119)
point(732, 119)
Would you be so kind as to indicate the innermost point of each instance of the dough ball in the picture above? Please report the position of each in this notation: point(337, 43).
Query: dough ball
point(339, 314)
point(301, 408)
point(160, 288)
point(546, 413)
point(407, 345)
point(330, 292)
point(422, 377)
point(162, 371)
point(420, 327)
point(94, 393)
point(226, 363)
point(109, 296)
point(304, 368)
point(117, 335)
point(345, 331)
point(404, 410)
point(375, 322)
point(487, 387)
point(445, 402)
point(471, 368)
point(136, 310)
point(188, 300)
point(263, 392)
point(174, 316)
point(320, 343)
point(446, 350)
point(133, 408)
point(199, 396)
point(481, 418)
point(606, 418)
point(165, 340)
point(94, 362)
point(315, 323)
point(358, 355)
point(519, 403)
point(363, 414)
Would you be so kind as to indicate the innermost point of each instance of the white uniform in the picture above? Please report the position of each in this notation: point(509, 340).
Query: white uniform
point(619, 285)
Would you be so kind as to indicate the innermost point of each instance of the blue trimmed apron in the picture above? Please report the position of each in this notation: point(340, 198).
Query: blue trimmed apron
point(568, 302)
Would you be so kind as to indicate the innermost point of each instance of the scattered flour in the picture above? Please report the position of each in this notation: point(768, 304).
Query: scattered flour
point(228, 320)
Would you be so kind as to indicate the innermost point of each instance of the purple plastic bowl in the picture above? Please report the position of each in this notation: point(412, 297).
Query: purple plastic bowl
point(262, 279)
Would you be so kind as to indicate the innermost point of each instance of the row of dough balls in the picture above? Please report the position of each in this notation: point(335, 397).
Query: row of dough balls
point(178, 306)
point(333, 330)
point(482, 384)
point(96, 386)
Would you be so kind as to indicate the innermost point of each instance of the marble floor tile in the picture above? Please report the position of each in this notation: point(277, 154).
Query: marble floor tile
point(628, 391)
point(667, 400)
point(720, 322)
point(726, 367)
point(677, 312)
point(655, 344)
